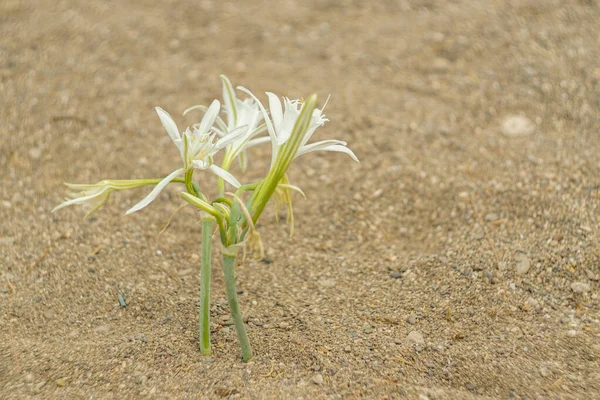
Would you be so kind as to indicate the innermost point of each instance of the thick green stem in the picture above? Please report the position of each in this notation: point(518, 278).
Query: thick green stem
point(207, 228)
point(229, 266)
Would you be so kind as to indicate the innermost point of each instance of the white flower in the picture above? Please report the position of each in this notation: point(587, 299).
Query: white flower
point(89, 196)
point(282, 121)
point(241, 114)
point(196, 147)
point(94, 196)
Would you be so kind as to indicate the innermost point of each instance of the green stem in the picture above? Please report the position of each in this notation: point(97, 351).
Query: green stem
point(207, 228)
point(229, 267)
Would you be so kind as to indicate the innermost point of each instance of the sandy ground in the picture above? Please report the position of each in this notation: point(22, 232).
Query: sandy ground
point(458, 260)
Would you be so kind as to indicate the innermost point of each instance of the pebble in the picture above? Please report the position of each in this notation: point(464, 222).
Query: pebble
point(140, 380)
point(396, 275)
point(471, 386)
point(35, 153)
point(102, 329)
point(327, 282)
point(488, 274)
point(517, 125)
point(533, 303)
point(415, 337)
point(225, 330)
point(571, 333)
point(491, 217)
point(412, 319)
point(185, 272)
point(60, 382)
point(284, 325)
point(580, 287)
point(523, 263)
point(317, 379)
point(545, 372)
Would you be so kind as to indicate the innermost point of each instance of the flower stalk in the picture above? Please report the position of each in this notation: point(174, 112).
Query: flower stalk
point(207, 229)
point(234, 308)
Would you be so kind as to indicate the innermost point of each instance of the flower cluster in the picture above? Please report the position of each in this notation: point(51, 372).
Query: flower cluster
point(288, 125)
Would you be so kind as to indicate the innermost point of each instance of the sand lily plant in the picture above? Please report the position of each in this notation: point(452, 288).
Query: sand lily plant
point(288, 126)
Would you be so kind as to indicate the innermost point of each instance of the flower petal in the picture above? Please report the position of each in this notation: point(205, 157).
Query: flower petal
point(276, 110)
point(169, 125)
point(225, 175)
point(270, 128)
point(81, 200)
point(209, 118)
point(205, 109)
point(229, 99)
point(327, 145)
point(257, 141)
point(156, 191)
point(231, 137)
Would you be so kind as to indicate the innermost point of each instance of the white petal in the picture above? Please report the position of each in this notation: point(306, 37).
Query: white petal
point(319, 146)
point(225, 175)
point(276, 111)
point(257, 141)
point(209, 118)
point(205, 109)
point(229, 99)
point(169, 125)
point(156, 191)
point(270, 128)
point(231, 137)
point(80, 200)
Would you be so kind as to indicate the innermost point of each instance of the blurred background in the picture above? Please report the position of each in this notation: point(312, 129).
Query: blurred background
point(471, 220)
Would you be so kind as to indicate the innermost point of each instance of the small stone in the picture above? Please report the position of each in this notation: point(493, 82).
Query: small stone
point(523, 263)
point(517, 125)
point(491, 217)
point(412, 319)
point(4, 290)
point(488, 275)
point(571, 333)
point(102, 329)
point(347, 349)
point(140, 380)
point(159, 253)
point(29, 378)
point(284, 325)
point(545, 372)
point(60, 382)
point(328, 283)
point(471, 386)
point(225, 330)
point(317, 379)
point(580, 287)
point(40, 385)
point(423, 397)
point(266, 260)
point(532, 302)
point(415, 337)
point(396, 275)
point(35, 153)
point(6, 203)
point(185, 272)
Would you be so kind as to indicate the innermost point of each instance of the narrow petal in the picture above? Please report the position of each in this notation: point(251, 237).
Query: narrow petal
point(231, 136)
point(257, 141)
point(270, 128)
point(156, 191)
point(169, 125)
point(229, 99)
point(80, 200)
point(219, 121)
point(323, 146)
point(225, 175)
point(276, 110)
point(209, 118)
